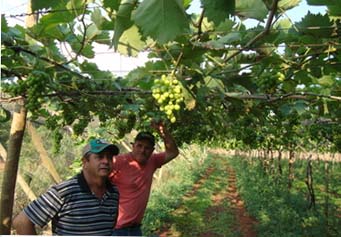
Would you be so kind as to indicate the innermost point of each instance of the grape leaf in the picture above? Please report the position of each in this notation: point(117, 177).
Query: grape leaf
point(326, 80)
point(96, 17)
point(38, 4)
point(334, 7)
point(255, 9)
point(112, 4)
point(300, 106)
point(334, 10)
point(315, 25)
point(163, 20)
point(132, 42)
point(217, 11)
point(322, 2)
point(123, 21)
point(288, 4)
point(4, 26)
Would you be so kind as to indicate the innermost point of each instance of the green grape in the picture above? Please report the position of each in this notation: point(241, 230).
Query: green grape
point(156, 96)
point(168, 112)
point(167, 92)
point(173, 119)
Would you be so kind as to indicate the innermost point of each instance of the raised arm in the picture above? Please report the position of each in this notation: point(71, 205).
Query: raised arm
point(23, 225)
point(172, 150)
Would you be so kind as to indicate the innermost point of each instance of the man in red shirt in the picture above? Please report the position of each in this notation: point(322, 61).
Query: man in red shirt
point(133, 176)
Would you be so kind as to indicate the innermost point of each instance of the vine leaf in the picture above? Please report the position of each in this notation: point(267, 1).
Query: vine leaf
point(132, 42)
point(217, 11)
point(187, 3)
point(326, 80)
point(123, 20)
point(288, 4)
point(300, 106)
point(56, 18)
point(97, 18)
point(51, 25)
point(112, 4)
point(334, 10)
point(92, 31)
point(316, 25)
point(4, 26)
point(230, 38)
point(214, 83)
point(39, 5)
point(333, 6)
point(87, 51)
point(163, 20)
point(255, 9)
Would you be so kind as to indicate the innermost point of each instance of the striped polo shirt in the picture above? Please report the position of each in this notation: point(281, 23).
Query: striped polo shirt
point(74, 210)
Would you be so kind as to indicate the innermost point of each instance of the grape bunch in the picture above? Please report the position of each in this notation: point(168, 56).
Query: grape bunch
point(167, 92)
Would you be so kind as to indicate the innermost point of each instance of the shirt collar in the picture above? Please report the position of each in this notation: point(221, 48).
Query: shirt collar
point(85, 187)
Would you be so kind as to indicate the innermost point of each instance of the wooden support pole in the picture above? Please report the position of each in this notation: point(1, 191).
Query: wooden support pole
point(25, 187)
point(38, 144)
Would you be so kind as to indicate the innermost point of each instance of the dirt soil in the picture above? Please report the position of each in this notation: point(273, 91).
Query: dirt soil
point(244, 225)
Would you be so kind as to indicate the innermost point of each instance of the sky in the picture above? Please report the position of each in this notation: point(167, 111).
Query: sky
point(120, 65)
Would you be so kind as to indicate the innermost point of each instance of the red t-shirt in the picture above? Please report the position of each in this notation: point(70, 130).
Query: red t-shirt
point(134, 183)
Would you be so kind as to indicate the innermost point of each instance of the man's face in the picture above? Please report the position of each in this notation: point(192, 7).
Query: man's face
point(98, 165)
point(142, 150)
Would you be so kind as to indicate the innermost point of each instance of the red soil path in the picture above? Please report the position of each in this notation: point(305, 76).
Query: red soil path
point(245, 224)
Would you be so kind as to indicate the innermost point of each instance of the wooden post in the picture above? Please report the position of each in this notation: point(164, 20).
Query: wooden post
point(38, 144)
point(124, 143)
point(14, 147)
point(26, 188)
point(11, 169)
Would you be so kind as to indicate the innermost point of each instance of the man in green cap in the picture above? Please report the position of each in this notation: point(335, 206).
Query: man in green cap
point(86, 204)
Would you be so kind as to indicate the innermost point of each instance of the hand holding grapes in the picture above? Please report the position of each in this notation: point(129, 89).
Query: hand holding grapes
point(159, 127)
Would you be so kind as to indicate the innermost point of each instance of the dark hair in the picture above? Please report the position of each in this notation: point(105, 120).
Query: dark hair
point(87, 156)
point(145, 136)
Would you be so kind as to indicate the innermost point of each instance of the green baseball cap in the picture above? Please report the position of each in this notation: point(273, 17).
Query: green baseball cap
point(99, 145)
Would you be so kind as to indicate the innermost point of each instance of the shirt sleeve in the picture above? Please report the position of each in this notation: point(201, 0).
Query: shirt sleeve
point(43, 209)
point(159, 159)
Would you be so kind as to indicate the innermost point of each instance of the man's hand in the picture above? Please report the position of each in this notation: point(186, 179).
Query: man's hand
point(172, 150)
point(23, 225)
point(159, 127)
